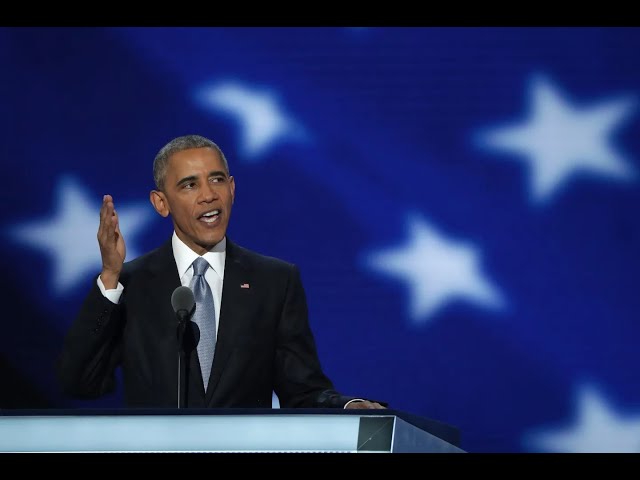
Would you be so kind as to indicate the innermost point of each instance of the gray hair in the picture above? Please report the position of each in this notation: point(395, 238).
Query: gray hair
point(186, 142)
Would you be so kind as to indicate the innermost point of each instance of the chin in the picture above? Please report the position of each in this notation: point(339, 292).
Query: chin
point(211, 241)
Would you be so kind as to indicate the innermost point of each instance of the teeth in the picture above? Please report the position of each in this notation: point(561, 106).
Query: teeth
point(210, 214)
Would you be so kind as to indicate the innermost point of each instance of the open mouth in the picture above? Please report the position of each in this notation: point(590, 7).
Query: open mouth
point(210, 217)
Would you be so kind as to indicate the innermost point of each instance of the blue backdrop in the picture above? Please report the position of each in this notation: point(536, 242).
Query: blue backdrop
point(462, 203)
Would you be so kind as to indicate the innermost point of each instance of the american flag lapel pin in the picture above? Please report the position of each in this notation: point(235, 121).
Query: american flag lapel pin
point(244, 285)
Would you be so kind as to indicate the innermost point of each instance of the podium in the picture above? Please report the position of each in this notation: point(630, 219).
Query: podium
point(224, 431)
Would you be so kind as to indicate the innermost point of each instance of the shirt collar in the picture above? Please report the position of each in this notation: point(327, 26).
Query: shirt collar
point(184, 256)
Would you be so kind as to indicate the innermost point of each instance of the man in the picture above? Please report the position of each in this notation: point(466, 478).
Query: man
point(251, 313)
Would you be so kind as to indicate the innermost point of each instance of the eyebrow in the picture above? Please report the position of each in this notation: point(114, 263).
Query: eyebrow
point(193, 178)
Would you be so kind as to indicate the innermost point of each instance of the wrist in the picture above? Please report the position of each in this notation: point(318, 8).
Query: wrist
point(109, 279)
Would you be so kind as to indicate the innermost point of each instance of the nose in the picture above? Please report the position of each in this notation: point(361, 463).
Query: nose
point(208, 193)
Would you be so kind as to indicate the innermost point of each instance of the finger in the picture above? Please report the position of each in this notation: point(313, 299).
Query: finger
point(107, 204)
point(116, 225)
point(107, 211)
point(361, 405)
point(108, 220)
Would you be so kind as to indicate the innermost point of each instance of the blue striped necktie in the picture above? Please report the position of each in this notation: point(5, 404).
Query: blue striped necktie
point(205, 317)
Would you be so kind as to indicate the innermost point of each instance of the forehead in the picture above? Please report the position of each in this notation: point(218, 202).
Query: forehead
point(195, 161)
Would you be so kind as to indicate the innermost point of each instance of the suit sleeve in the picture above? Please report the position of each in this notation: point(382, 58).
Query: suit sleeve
point(92, 348)
point(299, 379)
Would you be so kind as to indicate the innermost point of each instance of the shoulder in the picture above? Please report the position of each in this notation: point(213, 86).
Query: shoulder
point(151, 260)
point(254, 260)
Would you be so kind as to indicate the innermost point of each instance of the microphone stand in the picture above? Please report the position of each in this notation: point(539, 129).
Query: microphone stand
point(183, 318)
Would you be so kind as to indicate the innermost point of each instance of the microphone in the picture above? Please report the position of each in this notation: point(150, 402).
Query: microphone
point(184, 304)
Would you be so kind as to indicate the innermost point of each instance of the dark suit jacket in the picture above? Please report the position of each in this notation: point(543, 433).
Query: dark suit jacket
point(264, 343)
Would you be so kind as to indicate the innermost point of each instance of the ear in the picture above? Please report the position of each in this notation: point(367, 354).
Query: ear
point(159, 202)
point(232, 185)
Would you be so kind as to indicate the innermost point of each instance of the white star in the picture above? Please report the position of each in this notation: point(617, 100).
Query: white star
point(70, 235)
point(263, 120)
point(598, 429)
point(437, 270)
point(560, 141)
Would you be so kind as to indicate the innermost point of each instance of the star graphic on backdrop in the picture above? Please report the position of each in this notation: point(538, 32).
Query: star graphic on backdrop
point(437, 270)
point(69, 235)
point(560, 141)
point(597, 429)
point(260, 114)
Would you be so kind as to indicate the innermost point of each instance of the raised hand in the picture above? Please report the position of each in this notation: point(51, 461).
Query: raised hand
point(112, 246)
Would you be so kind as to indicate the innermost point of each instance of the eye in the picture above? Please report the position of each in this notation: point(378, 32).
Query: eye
point(188, 185)
point(218, 179)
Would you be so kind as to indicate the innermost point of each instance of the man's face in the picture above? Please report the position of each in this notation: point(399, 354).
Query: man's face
point(198, 194)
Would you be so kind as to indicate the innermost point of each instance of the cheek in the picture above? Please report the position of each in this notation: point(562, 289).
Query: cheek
point(181, 213)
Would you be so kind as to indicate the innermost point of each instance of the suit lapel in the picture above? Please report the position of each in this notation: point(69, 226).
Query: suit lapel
point(235, 274)
point(163, 279)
